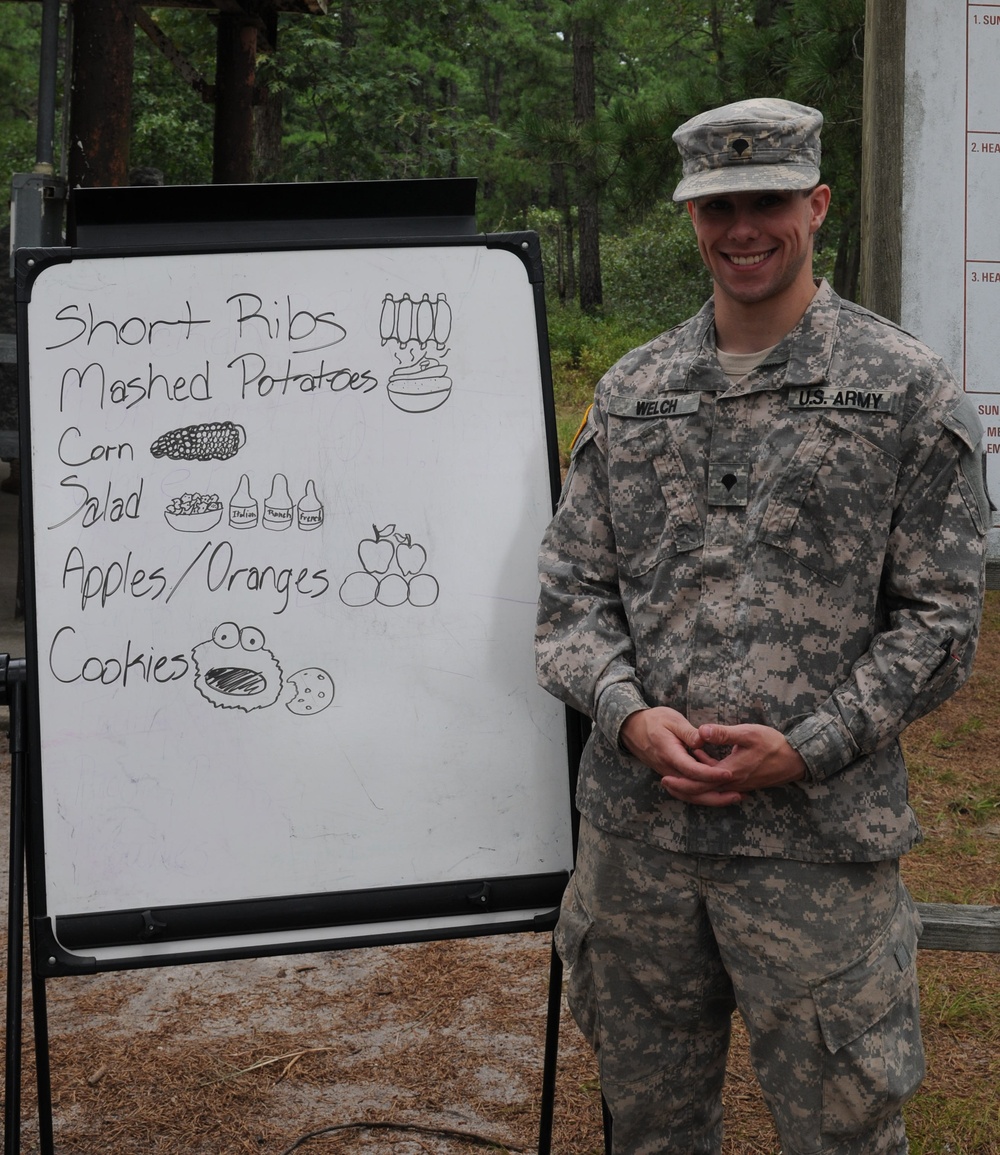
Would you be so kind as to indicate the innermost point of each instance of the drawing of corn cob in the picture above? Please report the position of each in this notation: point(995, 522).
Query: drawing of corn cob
point(213, 440)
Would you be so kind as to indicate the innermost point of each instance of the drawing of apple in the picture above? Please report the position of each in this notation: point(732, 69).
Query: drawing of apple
point(376, 553)
point(410, 557)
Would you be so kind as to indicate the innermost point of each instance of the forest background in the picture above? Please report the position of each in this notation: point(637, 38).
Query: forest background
point(562, 109)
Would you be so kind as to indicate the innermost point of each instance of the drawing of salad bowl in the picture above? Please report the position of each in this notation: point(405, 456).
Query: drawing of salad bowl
point(194, 512)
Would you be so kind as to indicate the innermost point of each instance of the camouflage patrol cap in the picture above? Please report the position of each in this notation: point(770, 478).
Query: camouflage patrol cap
point(749, 146)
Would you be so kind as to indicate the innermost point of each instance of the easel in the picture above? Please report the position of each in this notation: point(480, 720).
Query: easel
point(410, 217)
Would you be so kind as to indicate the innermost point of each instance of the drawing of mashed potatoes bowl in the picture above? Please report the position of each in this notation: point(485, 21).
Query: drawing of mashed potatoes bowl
point(419, 388)
point(194, 512)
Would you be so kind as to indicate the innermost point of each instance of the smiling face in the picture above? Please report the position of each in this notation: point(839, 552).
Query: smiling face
point(758, 246)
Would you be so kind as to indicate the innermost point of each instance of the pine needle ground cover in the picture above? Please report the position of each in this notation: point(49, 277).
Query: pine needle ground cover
point(438, 1047)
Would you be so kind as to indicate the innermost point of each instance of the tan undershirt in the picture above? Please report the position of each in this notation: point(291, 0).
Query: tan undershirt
point(737, 365)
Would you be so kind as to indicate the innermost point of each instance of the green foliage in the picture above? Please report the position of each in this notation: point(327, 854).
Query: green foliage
point(944, 1004)
point(418, 89)
point(654, 278)
point(583, 347)
point(171, 124)
point(654, 274)
point(588, 345)
point(20, 33)
point(384, 89)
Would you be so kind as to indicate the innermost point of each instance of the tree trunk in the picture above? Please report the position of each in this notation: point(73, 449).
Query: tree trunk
point(235, 77)
point(348, 26)
point(449, 101)
point(881, 288)
point(267, 118)
point(719, 48)
point(847, 266)
point(267, 136)
point(765, 12)
point(566, 276)
point(588, 203)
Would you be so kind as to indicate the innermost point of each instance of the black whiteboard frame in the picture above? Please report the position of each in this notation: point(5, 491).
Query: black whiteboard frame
point(172, 935)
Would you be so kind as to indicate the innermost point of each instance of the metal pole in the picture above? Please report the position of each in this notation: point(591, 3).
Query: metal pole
point(47, 75)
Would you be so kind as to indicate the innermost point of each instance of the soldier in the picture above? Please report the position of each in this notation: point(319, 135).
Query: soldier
point(766, 561)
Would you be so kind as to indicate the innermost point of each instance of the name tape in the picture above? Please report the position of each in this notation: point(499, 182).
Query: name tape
point(665, 405)
point(815, 397)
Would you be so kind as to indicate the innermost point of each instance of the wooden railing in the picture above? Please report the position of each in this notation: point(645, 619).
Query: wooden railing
point(949, 926)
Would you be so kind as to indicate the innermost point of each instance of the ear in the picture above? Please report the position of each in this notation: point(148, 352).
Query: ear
point(819, 203)
point(690, 206)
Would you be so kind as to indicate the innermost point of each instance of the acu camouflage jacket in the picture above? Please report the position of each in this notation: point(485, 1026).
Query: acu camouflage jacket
point(803, 549)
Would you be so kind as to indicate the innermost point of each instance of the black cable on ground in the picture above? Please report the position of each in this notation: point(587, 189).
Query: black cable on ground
point(441, 1132)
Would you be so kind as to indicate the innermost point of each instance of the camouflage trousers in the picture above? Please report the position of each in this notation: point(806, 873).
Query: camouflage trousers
point(819, 959)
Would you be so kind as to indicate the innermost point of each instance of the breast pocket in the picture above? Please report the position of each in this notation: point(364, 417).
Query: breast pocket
point(835, 493)
point(653, 506)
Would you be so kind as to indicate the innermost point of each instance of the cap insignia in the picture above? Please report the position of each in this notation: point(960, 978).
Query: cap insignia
point(741, 146)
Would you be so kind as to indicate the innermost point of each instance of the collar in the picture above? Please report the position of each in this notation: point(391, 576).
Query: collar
point(810, 343)
point(806, 351)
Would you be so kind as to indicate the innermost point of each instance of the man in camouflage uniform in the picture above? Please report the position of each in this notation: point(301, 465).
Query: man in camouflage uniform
point(767, 560)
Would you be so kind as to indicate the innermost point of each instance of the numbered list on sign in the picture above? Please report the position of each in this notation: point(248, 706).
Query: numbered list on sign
point(982, 236)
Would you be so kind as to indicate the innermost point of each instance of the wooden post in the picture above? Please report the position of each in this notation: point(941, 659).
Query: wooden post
point(235, 77)
point(103, 54)
point(882, 157)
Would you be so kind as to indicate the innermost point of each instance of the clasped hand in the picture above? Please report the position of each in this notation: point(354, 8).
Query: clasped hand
point(684, 756)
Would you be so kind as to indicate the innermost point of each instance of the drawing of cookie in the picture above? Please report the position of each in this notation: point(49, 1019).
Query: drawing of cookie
point(313, 691)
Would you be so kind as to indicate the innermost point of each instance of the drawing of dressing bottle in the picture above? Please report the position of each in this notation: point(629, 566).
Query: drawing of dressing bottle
point(243, 507)
point(310, 511)
point(278, 507)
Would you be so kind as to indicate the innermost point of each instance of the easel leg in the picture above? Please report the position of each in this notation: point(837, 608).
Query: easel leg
point(608, 1127)
point(15, 944)
point(39, 1006)
point(551, 1054)
point(14, 683)
point(46, 1141)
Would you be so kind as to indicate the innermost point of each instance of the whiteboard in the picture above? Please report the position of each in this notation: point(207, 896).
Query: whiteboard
point(283, 516)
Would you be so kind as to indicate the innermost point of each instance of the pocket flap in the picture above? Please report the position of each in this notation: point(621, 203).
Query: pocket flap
point(852, 1001)
point(571, 929)
point(653, 507)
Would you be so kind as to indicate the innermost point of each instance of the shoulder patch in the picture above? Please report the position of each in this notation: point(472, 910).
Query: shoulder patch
point(963, 420)
point(579, 434)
